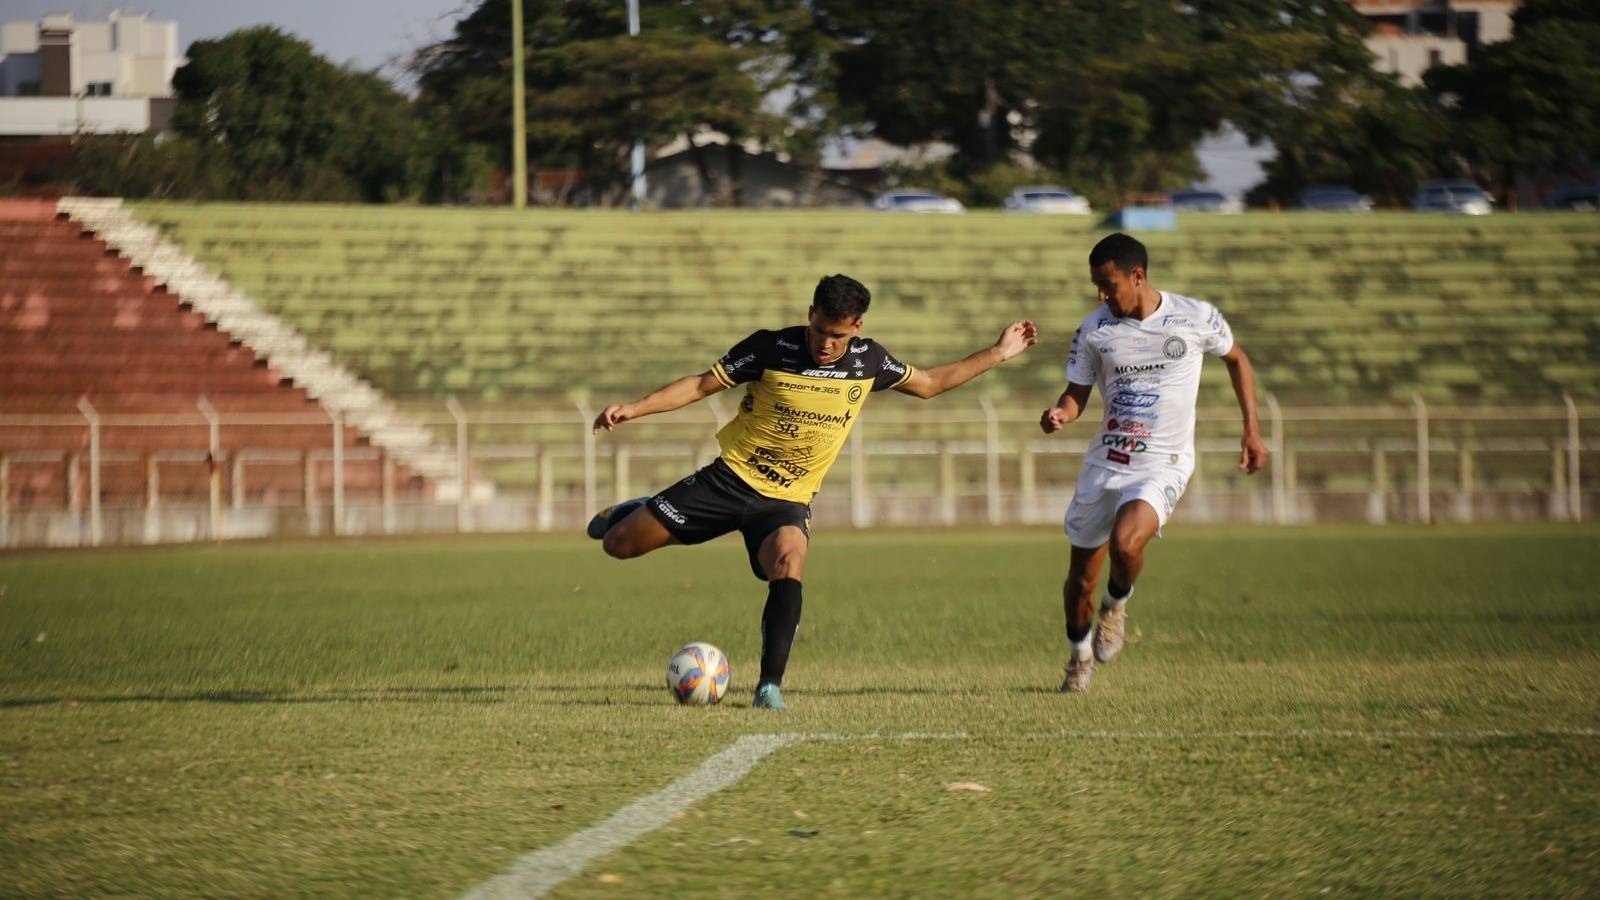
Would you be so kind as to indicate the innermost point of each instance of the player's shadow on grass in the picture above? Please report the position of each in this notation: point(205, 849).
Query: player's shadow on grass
point(475, 694)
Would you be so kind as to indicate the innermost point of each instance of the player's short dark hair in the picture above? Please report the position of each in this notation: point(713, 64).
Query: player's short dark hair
point(1121, 249)
point(840, 298)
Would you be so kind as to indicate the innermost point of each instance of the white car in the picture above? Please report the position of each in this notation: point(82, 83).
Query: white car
point(1461, 197)
point(1046, 199)
point(917, 201)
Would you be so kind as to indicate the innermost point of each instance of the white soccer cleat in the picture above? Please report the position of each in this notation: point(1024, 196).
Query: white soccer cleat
point(1079, 671)
point(1108, 633)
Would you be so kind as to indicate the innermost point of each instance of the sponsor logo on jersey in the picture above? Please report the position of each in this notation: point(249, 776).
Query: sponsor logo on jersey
point(806, 415)
point(1131, 400)
point(1128, 426)
point(1141, 367)
point(1118, 457)
point(748, 404)
point(808, 386)
point(856, 364)
point(670, 511)
point(890, 365)
point(1174, 320)
point(786, 345)
point(741, 361)
point(778, 460)
point(854, 393)
point(1103, 322)
point(1174, 348)
point(860, 348)
point(1170, 494)
point(792, 429)
point(825, 373)
point(1131, 445)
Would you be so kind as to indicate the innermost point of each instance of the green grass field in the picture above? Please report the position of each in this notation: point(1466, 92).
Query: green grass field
point(1345, 711)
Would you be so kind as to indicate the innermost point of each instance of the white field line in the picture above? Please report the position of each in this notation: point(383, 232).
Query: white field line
point(539, 871)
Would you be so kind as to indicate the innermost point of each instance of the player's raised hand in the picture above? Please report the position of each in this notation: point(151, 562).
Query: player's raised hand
point(1017, 337)
point(1053, 420)
point(611, 417)
point(1252, 454)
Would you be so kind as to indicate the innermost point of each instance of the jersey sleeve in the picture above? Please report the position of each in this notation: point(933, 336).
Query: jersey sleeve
point(891, 372)
point(1083, 362)
point(1216, 338)
point(744, 362)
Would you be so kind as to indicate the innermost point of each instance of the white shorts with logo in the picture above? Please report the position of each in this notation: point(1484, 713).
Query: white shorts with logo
point(1102, 491)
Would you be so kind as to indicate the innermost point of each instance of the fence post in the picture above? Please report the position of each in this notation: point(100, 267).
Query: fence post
point(947, 483)
point(213, 465)
point(5, 502)
point(1291, 477)
point(860, 505)
point(1378, 499)
point(463, 466)
point(338, 470)
point(1465, 478)
point(1280, 503)
point(547, 487)
point(309, 482)
point(236, 480)
point(1574, 481)
point(1558, 481)
point(152, 499)
point(586, 415)
point(386, 488)
point(991, 459)
point(1424, 448)
point(94, 469)
point(1028, 482)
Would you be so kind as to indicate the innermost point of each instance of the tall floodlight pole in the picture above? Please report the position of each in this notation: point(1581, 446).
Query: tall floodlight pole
point(638, 146)
point(519, 118)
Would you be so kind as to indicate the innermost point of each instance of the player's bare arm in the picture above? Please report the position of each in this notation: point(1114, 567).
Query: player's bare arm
point(675, 395)
point(1068, 408)
point(929, 383)
point(1252, 451)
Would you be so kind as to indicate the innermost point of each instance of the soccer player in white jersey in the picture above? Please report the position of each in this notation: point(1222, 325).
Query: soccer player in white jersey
point(1143, 348)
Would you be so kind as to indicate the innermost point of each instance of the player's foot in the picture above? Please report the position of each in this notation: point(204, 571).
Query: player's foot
point(611, 515)
point(1108, 634)
point(768, 697)
point(1079, 670)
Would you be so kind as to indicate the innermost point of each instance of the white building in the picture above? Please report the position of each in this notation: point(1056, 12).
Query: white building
point(60, 76)
point(1410, 36)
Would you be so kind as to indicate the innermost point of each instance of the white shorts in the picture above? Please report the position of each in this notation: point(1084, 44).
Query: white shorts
point(1101, 492)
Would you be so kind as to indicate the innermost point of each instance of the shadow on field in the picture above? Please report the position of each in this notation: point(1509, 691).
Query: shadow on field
point(499, 693)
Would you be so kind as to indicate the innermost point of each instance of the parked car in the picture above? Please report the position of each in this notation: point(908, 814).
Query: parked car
point(916, 201)
point(1456, 196)
point(1576, 197)
point(1206, 201)
point(1046, 199)
point(1335, 199)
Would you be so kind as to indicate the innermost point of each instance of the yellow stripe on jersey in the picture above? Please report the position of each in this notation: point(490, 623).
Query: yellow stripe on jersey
point(721, 374)
point(910, 371)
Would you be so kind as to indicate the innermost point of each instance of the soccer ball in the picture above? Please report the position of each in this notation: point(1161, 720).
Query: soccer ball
point(698, 674)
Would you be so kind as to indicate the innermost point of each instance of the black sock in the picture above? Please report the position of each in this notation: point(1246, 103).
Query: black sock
point(778, 623)
point(623, 510)
point(1115, 591)
point(1076, 635)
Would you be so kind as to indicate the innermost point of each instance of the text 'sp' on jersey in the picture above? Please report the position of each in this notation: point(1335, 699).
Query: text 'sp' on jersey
point(796, 414)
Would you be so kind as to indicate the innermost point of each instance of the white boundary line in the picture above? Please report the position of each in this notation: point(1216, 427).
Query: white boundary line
point(536, 873)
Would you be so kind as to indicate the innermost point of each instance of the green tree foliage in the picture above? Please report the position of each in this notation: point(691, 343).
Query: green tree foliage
point(592, 90)
point(1530, 104)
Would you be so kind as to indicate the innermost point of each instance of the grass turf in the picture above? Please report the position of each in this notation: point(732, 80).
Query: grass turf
point(1352, 709)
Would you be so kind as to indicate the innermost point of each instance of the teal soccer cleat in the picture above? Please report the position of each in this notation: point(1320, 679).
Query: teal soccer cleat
point(768, 697)
point(611, 515)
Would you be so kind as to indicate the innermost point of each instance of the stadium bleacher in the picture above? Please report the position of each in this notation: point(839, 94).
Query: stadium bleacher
point(495, 306)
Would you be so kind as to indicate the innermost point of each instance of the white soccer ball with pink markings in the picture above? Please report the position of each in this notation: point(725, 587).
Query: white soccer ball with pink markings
point(698, 674)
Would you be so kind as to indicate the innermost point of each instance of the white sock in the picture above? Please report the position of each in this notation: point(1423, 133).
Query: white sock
point(1111, 602)
point(1082, 649)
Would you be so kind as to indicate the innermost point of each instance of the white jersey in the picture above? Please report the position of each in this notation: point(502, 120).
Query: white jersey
point(1149, 376)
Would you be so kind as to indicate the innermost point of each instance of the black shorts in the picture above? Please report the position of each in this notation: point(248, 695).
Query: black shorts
point(714, 501)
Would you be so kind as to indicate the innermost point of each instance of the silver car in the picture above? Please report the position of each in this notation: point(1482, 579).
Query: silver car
point(1046, 199)
point(1461, 197)
point(917, 201)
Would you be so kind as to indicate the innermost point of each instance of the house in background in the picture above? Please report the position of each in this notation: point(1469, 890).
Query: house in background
point(1411, 36)
point(60, 76)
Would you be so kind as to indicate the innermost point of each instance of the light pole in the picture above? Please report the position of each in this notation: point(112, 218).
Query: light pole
point(638, 146)
point(519, 120)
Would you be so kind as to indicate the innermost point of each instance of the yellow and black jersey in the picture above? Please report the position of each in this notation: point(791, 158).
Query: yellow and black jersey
point(796, 413)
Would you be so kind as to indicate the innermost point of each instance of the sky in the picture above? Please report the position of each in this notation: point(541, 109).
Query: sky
point(379, 33)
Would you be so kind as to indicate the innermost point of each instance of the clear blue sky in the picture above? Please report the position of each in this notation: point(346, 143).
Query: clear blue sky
point(379, 33)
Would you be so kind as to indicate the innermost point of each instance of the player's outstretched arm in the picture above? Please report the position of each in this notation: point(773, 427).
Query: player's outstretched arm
point(1252, 452)
point(1067, 409)
point(667, 398)
point(929, 383)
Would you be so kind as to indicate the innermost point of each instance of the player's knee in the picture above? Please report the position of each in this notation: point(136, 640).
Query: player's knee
point(787, 564)
point(1126, 543)
point(618, 546)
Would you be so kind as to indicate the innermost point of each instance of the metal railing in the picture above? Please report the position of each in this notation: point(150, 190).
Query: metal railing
point(943, 463)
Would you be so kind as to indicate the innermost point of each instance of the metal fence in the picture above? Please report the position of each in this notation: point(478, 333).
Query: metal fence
point(942, 463)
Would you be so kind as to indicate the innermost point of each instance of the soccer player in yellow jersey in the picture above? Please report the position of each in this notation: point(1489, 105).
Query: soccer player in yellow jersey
point(804, 387)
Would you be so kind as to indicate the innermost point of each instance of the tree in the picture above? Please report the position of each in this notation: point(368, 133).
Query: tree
point(1531, 104)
